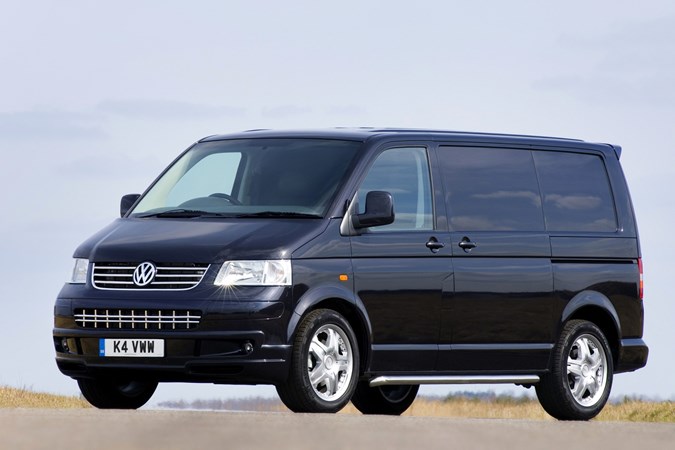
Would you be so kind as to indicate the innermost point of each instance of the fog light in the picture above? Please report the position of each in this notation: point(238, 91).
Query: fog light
point(64, 345)
point(248, 347)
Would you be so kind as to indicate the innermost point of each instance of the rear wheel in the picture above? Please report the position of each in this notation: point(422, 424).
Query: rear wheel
point(580, 379)
point(389, 400)
point(324, 364)
point(109, 394)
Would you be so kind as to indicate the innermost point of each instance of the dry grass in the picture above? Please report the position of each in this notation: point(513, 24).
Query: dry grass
point(472, 408)
point(497, 407)
point(639, 411)
point(526, 408)
point(24, 398)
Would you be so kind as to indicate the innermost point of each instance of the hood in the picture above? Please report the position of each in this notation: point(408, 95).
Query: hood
point(199, 240)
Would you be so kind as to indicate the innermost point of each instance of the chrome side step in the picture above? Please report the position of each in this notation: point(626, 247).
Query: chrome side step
point(455, 379)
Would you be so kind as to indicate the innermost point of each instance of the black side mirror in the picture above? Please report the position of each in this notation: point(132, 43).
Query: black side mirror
point(127, 202)
point(379, 211)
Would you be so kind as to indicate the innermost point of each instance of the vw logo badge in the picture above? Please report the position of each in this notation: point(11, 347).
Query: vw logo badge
point(144, 274)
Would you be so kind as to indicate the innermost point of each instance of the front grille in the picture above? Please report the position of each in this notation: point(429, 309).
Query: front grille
point(168, 277)
point(137, 319)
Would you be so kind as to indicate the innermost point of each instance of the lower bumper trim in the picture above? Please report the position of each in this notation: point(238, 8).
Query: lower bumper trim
point(633, 355)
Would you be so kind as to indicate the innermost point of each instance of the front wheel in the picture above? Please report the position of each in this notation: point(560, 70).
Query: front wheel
point(109, 394)
point(580, 379)
point(389, 400)
point(324, 364)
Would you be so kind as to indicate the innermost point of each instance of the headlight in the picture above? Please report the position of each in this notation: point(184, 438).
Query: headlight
point(255, 273)
point(80, 270)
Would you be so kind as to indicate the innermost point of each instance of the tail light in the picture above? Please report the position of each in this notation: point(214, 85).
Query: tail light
point(641, 289)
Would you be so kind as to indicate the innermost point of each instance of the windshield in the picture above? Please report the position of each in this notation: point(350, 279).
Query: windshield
point(251, 178)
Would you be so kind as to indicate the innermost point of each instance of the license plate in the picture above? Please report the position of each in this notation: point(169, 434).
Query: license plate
point(147, 348)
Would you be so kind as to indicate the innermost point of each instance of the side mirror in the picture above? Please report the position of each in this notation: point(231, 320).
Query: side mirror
point(127, 202)
point(379, 211)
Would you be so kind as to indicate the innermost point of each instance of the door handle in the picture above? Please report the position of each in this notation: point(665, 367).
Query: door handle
point(466, 244)
point(433, 244)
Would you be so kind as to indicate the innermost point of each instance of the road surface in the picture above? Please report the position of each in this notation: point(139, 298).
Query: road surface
point(56, 429)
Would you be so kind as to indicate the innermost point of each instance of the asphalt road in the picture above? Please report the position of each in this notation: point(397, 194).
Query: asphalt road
point(120, 430)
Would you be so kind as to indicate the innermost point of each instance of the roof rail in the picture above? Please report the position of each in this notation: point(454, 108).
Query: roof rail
point(421, 130)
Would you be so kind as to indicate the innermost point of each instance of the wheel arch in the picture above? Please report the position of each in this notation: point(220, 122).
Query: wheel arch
point(598, 309)
point(343, 302)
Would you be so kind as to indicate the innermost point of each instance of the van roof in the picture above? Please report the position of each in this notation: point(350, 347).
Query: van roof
point(372, 133)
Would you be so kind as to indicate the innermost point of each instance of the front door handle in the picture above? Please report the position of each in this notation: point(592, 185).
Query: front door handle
point(433, 244)
point(466, 244)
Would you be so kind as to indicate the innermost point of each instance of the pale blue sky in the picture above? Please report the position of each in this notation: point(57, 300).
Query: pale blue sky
point(96, 98)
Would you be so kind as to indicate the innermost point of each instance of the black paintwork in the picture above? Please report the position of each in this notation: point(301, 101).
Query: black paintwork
point(206, 240)
point(401, 283)
point(494, 305)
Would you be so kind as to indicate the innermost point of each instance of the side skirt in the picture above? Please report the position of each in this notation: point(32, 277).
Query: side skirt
point(471, 379)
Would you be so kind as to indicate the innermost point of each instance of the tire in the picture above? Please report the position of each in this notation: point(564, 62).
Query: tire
point(324, 365)
point(109, 394)
point(580, 378)
point(388, 400)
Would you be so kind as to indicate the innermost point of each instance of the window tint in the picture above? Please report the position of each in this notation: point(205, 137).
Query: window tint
point(577, 195)
point(250, 176)
point(403, 172)
point(213, 174)
point(491, 189)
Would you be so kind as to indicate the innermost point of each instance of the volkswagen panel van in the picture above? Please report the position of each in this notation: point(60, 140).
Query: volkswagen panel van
point(358, 264)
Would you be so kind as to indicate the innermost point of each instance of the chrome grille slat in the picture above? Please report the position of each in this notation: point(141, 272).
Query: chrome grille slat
point(130, 275)
point(177, 276)
point(128, 319)
point(169, 276)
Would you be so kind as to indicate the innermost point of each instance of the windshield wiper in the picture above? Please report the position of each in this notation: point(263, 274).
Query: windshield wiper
point(281, 214)
point(177, 213)
point(190, 213)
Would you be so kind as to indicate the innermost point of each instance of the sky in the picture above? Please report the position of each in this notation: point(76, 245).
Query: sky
point(97, 98)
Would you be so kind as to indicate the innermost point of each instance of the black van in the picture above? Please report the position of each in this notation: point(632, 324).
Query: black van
point(357, 264)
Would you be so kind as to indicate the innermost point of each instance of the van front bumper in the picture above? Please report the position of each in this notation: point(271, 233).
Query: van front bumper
point(234, 343)
point(208, 358)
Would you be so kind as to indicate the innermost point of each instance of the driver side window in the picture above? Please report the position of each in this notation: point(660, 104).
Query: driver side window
point(404, 173)
point(212, 174)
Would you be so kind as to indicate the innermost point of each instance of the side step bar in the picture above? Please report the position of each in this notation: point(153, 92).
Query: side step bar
point(459, 379)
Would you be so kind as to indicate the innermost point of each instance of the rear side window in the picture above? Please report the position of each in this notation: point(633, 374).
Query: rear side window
point(491, 189)
point(576, 192)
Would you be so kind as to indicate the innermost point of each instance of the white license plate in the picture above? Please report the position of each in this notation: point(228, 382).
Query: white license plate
point(148, 348)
